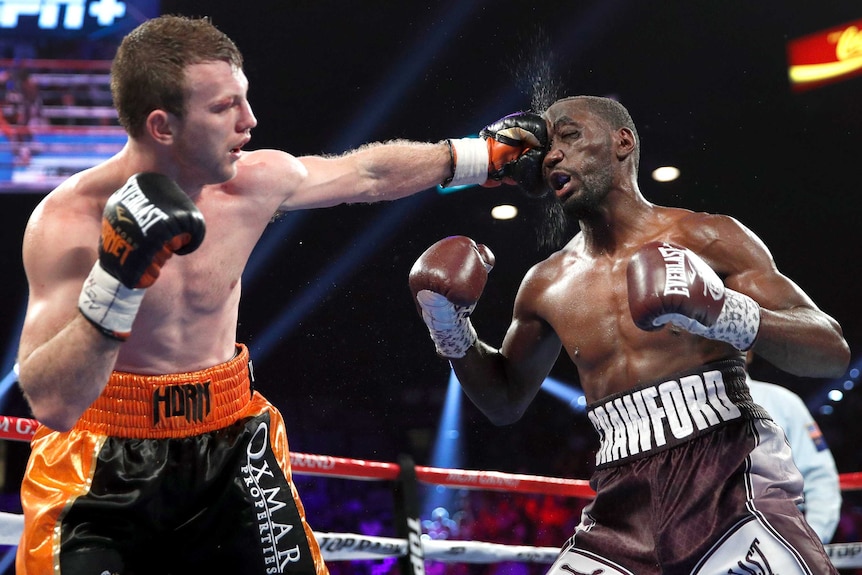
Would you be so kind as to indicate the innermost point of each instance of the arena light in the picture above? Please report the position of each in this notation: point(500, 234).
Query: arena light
point(832, 393)
point(10, 365)
point(448, 450)
point(452, 189)
point(504, 212)
point(665, 174)
point(407, 74)
point(569, 395)
point(6, 384)
point(8, 559)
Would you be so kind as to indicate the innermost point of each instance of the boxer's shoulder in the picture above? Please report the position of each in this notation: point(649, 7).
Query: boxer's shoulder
point(267, 166)
point(268, 177)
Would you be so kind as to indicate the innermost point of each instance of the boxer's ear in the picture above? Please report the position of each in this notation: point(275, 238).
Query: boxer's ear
point(625, 143)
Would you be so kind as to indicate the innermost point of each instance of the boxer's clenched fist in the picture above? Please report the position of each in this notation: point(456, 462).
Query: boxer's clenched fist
point(143, 224)
point(508, 151)
point(446, 282)
point(671, 284)
point(527, 133)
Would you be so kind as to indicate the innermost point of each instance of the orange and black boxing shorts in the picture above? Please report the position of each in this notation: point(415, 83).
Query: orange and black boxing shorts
point(178, 473)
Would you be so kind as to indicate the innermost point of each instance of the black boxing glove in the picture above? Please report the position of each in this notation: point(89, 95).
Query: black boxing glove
point(446, 282)
point(671, 284)
point(143, 224)
point(526, 172)
point(509, 151)
point(528, 131)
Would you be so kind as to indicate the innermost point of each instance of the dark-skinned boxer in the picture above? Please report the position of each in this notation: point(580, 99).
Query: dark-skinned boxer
point(656, 307)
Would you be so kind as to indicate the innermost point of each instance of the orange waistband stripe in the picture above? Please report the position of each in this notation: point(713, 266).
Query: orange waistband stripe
point(174, 404)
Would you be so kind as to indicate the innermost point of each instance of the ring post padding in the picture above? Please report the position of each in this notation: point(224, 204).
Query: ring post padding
point(407, 517)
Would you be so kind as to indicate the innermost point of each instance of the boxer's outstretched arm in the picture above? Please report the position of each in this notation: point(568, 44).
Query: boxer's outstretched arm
point(509, 151)
point(372, 173)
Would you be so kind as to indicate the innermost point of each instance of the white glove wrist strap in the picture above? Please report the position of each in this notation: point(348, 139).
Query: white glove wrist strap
point(449, 324)
point(738, 322)
point(108, 304)
point(471, 162)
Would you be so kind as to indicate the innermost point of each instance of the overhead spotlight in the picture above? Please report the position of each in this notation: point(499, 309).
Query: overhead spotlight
point(504, 212)
point(665, 174)
point(448, 449)
point(568, 394)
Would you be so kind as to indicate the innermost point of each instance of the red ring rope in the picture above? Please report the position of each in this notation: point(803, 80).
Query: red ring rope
point(22, 429)
point(487, 480)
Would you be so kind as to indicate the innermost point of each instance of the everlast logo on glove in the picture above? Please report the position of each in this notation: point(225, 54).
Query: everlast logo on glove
point(189, 400)
point(678, 277)
point(132, 206)
point(115, 243)
point(140, 208)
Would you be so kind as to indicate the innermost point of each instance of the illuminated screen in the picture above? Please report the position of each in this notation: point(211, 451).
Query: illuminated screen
point(57, 115)
point(825, 57)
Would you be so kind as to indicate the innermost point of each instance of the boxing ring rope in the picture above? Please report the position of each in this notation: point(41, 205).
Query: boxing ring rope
point(457, 478)
point(352, 546)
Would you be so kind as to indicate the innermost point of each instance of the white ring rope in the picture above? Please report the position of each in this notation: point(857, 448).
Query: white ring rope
point(350, 546)
point(353, 546)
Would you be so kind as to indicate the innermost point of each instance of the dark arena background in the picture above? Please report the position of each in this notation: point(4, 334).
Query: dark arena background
point(335, 339)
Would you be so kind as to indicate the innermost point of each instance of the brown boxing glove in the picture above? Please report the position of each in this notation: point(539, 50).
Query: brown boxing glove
point(446, 282)
point(671, 284)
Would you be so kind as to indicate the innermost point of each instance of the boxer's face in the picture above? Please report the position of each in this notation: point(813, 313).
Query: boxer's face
point(216, 123)
point(580, 163)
